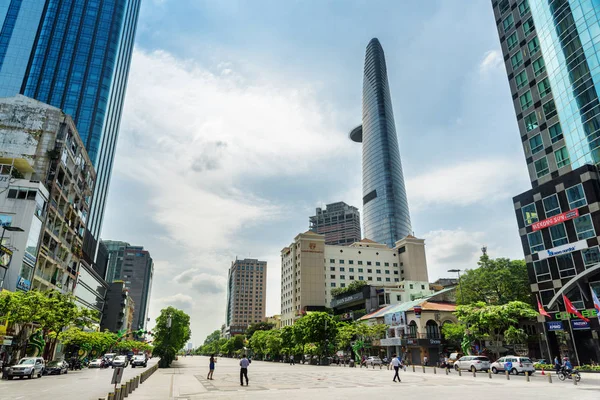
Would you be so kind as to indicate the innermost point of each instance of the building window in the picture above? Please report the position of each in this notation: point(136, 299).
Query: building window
point(521, 79)
point(342, 276)
point(369, 278)
point(591, 256)
point(350, 261)
point(508, 22)
point(528, 27)
point(369, 271)
point(504, 6)
point(387, 271)
point(546, 296)
point(332, 268)
point(396, 280)
point(512, 41)
point(562, 157)
point(539, 67)
point(576, 196)
point(536, 143)
point(360, 263)
point(386, 264)
point(342, 269)
point(517, 60)
point(555, 133)
point(331, 260)
point(526, 100)
point(584, 227)
point(534, 47)
point(523, 7)
point(423, 287)
point(395, 264)
point(388, 279)
point(544, 88)
point(541, 167)
point(565, 265)
point(530, 214)
point(549, 109)
point(342, 285)
point(542, 271)
point(558, 234)
point(378, 279)
point(350, 269)
point(551, 205)
point(377, 263)
point(332, 276)
point(341, 261)
point(411, 286)
point(332, 284)
point(531, 122)
point(378, 271)
point(361, 278)
point(398, 297)
point(360, 270)
point(351, 277)
point(368, 262)
point(536, 242)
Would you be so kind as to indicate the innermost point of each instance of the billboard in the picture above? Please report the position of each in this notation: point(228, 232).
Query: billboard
point(395, 318)
point(557, 219)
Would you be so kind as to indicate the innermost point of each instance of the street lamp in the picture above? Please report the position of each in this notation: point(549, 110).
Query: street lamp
point(459, 288)
point(2, 248)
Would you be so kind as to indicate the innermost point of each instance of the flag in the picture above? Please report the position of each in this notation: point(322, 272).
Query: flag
point(541, 309)
point(596, 303)
point(572, 310)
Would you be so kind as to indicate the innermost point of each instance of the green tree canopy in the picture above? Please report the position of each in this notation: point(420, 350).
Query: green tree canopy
point(258, 326)
point(317, 328)
point(496, 281)
point(168, 340)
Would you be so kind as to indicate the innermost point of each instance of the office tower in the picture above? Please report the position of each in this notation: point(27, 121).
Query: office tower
point(74, 55)
point(551, 60)
point(119, 310)
point(339, 222)
point(311, 271)
point(115, 253)
point(246, 295)
point(385, 208)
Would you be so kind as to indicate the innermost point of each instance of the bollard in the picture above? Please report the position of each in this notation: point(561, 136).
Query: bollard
point(474, 372)
point(446, 371)
point(459, 373)
point(434, 371)
point(549, 377)
point(574, 380)
point(527, 376)
point(413, 368)
point(117, 395)
point(111, 396)
point(124, 391)
point(423, 369)
point(507, 375)
point(490, 373)
point(130, 384)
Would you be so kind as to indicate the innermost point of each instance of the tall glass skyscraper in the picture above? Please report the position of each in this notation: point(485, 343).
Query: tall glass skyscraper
point(75, 55)
point(386, 218)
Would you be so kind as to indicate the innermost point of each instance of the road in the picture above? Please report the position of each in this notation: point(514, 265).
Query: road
point(87, 384)
point(187, 381)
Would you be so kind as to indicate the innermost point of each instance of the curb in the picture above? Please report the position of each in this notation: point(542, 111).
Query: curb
point(126, 389)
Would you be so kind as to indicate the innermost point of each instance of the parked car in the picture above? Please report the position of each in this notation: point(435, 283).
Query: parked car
point(472, 363)
point(372, 361)
point(109, 357)
point(453, 357)
point(139, 361)
point(120, 361)
point(57, 367)
point(514, 365)
point(97, 363)
point(28, 366)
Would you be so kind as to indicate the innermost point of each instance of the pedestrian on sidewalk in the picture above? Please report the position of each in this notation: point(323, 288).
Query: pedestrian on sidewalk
point(396, 364)
point(425, 360)
point(244, 363)
point(292, 360)
point(211, 367)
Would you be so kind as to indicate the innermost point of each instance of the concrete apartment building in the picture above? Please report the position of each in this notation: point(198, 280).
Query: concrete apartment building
point(339, 222)
point(310, 270)
point(42, 145)
point(119, 311)
point(246, 295)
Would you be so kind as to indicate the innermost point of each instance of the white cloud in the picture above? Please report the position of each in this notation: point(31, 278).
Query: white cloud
point(467, 183)
point(181, 301)
point(491, 61)
point(450, 249)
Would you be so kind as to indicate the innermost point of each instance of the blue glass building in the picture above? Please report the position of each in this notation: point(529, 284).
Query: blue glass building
point(386, 218)
point(75, 55)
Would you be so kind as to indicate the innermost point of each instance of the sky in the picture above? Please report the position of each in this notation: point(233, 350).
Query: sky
point(235, 128)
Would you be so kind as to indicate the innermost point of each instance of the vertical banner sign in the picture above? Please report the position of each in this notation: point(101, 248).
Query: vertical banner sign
point(417, 310)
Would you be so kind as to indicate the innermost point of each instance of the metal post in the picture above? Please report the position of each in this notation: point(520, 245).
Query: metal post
point(117, 394)
point(527, 376)
point(549, 377)
point(124, 390)
point(111, 396)
point(574, 379)
point(446, 371)
point(474, 372)
point(434, 371)
point(490, 373)
point(423, 369)
point(507, 375)
point(413, 367)
point(130, 384)
point(459, 373)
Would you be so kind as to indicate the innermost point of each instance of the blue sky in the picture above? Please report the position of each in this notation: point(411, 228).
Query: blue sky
point(235, 129)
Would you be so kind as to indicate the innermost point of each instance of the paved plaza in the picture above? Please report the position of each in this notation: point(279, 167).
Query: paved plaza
point(187, 381)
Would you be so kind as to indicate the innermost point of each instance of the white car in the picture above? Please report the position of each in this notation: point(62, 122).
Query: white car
point(514, 365)
point(97, 363)
point(120, 361)
point(372, 361)
point(472, 363)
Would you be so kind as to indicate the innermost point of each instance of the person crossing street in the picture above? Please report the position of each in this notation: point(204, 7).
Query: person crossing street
point(244, 363)
point(396, 364)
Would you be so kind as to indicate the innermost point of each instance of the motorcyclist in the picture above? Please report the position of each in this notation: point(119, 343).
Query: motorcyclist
point(567, 366)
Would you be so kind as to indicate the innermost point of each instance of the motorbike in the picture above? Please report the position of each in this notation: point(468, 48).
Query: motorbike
point(74, 364)
point(566, 373)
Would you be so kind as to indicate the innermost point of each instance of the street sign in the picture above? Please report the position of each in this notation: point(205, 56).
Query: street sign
point(554, 326)
point(579, 324)
point(507, 366)
point(117, 376)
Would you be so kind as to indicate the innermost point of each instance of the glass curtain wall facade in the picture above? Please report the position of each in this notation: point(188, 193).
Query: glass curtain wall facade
point(74, 55)
point(386, 217)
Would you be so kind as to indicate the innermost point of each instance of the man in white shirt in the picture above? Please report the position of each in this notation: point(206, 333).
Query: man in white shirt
point(396, 364)
point(244, 362)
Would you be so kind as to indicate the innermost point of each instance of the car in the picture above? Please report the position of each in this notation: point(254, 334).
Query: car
point(120, 361)
point(514, 365)
point(472, 363)
point(372, 361)
point(453, 357)
point(57, 367)
point(97, 363)
point(27, 366)
point(109, 357)
point(139, 360)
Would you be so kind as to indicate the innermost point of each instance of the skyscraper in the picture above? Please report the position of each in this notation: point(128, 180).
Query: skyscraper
point(386, 217)
point(339, 222)
point(74, 55)
point(552, 59)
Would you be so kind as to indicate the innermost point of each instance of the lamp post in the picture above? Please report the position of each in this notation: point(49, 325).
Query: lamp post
point(459, 288)
point(4, 229)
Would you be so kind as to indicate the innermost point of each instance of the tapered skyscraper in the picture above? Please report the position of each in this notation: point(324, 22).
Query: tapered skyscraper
point(385, 208)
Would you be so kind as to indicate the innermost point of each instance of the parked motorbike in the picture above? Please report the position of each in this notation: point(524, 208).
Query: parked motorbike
point(566, 373)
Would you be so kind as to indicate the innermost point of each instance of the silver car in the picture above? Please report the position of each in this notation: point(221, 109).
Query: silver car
point(28, 366)
point(472, 363)
point(120, 361)
point(514, 365)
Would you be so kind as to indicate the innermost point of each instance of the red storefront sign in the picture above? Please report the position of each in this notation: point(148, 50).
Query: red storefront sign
point(557, 219)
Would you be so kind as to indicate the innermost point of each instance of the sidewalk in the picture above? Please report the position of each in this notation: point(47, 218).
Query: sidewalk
point(170, 383)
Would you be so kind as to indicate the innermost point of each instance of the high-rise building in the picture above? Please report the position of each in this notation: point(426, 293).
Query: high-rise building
point(74, 55)
point(339, 222)
point(246, 295)
point(134, 266)
point(551, 59)
point(386, 218)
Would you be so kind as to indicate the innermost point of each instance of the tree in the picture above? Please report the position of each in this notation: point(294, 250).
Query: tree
point(95, 343)
point(453, 333)
point(496, 281)
point(258, 326)
point(317, 328)
point(345, 334)
point(353, 287)
point(213, 337)
point(171, 333)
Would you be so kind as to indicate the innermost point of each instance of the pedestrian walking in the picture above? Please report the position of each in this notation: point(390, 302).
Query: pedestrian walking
point(292, 360)
point(244, 363)
point(425, 360)
point(557, 364)
point(396, 364)
point(211, 367)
